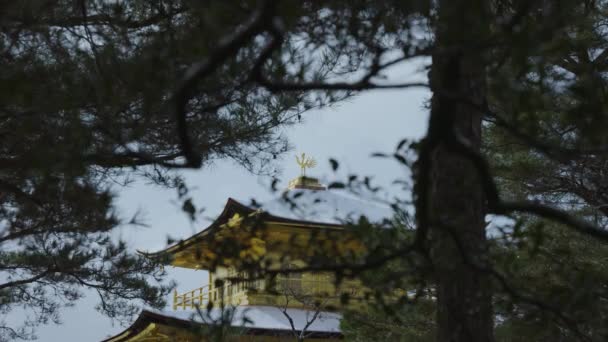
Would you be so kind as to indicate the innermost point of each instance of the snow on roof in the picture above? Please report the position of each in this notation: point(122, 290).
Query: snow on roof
point(325, 206)
point(264, 317)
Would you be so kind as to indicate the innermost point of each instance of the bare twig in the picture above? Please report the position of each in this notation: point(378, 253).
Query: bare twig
point(364, 83)
point(227, 47)
point(26, 280)
point(498, 206)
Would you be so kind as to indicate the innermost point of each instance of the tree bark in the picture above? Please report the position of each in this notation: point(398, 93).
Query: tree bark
point(457, 241)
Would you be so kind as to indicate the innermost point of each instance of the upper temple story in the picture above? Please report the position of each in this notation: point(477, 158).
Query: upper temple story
point(250, 250)
point(267, 262)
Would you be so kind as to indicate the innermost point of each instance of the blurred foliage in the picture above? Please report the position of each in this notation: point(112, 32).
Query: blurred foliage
point(86, 108)
point(410, 322)
point(563, 271)
point(88, 102)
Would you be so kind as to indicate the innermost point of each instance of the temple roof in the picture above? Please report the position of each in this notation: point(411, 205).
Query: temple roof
point(324, 207)
point(256, 319)
point(302, 207)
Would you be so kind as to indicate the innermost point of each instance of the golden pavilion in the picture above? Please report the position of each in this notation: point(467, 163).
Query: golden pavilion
point(250, 293)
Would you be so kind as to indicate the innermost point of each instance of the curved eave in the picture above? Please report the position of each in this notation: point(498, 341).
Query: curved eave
point(145, 319)
point(148, 321)
point(233, 207)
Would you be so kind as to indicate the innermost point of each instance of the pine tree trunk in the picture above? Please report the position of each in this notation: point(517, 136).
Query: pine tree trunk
point(456, 198)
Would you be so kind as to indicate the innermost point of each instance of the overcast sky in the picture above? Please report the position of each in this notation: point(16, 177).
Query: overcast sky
point(373, 122)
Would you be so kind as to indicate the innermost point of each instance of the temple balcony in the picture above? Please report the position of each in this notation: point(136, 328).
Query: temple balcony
point(301, 291)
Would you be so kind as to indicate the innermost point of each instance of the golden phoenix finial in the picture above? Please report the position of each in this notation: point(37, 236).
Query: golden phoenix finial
point(305, 162)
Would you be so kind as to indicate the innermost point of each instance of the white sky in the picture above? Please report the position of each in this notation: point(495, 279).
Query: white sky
point(373, 122)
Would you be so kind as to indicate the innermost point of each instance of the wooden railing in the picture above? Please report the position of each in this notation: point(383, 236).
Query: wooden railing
point(190, 300)
point(201, 296)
